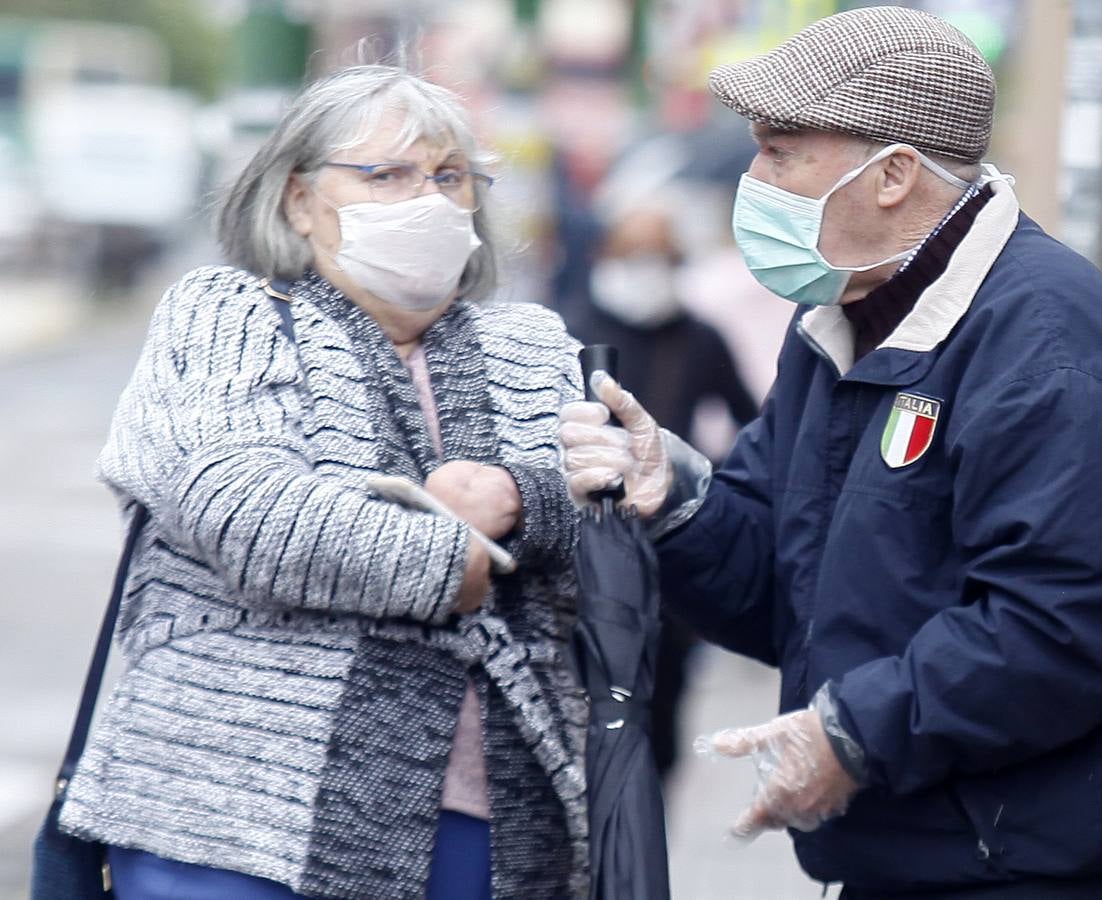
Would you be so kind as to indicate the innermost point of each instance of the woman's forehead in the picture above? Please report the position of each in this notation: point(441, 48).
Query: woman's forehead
point(421, 152)
point(394, 134)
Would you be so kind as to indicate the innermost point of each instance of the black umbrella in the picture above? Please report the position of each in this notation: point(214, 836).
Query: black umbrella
point(616, 646)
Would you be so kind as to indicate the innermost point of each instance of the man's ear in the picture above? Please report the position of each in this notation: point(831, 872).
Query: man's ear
point(296, 205)
point(896, 177)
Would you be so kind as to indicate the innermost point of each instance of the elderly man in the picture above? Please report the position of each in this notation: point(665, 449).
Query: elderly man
point(909, 530)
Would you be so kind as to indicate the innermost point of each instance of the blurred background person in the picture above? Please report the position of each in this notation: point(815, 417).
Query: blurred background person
point(635, 302)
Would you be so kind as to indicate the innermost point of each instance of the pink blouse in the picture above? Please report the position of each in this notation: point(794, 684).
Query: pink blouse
point(465, 778)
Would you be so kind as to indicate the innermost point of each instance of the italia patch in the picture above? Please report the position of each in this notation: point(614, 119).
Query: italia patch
point(910, 429)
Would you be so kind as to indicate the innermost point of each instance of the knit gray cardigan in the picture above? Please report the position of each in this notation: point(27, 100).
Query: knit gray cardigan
point(294, 669)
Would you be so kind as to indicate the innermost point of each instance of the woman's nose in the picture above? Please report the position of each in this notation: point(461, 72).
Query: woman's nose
point(429, 185)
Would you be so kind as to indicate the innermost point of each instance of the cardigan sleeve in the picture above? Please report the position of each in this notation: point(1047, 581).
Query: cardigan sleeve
point(209, 436)
point(536, 336)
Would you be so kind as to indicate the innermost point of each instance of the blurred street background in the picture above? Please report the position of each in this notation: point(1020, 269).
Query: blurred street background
point(121, 120)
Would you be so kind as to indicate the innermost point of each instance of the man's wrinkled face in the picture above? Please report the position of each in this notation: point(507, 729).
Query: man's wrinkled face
point(810, 163)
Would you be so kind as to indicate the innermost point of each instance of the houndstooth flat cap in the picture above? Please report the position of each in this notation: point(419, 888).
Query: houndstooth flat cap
point(885, 73)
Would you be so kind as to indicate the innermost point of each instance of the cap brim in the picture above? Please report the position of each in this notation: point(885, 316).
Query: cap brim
point(753, 90)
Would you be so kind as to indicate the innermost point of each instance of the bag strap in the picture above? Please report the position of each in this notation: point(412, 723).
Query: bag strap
point(278, 292)
point(94, 678)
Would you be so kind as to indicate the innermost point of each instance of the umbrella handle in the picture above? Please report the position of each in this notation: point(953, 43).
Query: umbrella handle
point(604, 357)
point(598, 356)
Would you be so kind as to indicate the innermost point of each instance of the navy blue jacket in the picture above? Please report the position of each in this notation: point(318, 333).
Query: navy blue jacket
point(956, 600)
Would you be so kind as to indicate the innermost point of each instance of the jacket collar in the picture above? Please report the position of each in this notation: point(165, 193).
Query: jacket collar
point(936, 312)
point(457, 371)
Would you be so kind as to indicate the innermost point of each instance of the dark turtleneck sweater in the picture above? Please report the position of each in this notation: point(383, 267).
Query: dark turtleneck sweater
point(877, 314)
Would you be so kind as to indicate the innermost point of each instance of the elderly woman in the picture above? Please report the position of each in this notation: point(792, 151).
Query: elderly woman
point(326, 692)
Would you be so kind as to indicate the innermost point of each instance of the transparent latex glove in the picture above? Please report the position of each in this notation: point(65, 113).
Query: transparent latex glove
point(598, 455)
point(800, 782)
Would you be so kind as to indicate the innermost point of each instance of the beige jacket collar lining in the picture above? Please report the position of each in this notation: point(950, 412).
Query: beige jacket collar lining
point(943, 303)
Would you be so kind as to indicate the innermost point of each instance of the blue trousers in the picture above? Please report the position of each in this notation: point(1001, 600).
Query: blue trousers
point(460, 871)
point(461, 861)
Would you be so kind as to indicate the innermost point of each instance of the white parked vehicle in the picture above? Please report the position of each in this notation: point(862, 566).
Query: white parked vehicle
point(111, 149)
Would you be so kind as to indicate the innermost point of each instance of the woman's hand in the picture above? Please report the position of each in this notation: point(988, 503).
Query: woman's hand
point(476, 578)
point(483, 496)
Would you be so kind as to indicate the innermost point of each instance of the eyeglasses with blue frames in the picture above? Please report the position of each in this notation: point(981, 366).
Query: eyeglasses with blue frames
point(395, 182)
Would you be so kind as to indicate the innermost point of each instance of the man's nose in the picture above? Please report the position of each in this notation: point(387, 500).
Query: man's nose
point(757, 167)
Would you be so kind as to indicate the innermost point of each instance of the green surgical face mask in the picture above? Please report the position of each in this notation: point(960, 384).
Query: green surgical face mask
point(778, 233)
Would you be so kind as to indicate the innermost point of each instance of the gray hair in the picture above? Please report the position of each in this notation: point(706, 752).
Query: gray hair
point(334, 113)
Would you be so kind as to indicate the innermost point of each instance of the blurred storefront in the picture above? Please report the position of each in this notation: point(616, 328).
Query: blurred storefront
point(105, 166)
point(1079, 165)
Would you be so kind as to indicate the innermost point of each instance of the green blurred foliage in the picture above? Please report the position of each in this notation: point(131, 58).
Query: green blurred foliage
point(196, 45)
point(268, 50)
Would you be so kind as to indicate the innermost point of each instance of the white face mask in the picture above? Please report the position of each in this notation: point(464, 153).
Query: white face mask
point(411, 254)
point(638, 290)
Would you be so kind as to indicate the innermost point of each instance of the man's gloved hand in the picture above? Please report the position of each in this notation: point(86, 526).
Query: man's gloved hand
point(800, 784)
point(598, 455)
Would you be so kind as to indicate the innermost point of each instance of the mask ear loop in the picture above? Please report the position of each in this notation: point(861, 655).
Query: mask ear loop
point(885, 152)
point(333, 206)
point(988, 174)
point(856, 173)
point(943, 173)
point(334, 258)
point(850, 176)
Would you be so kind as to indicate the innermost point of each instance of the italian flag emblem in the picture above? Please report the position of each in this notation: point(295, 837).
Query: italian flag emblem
point(910, 429)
